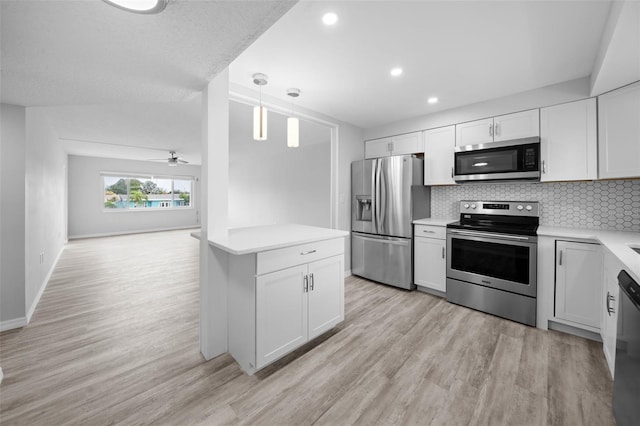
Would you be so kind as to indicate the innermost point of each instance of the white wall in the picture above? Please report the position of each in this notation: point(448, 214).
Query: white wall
point(270, 183)
point(87, 217)
point(351, 149)
point(545, 96)
point(12, 218)
point(45, 204)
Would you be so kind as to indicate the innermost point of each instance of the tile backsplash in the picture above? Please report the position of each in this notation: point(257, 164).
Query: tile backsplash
point(609, 205)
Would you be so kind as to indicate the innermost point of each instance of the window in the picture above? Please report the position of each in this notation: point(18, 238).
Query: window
point(122, 192)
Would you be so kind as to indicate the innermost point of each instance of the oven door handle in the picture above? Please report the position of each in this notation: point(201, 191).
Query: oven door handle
point(490, 235)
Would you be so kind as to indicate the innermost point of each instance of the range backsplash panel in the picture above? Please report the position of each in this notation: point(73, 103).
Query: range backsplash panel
point(609, 205)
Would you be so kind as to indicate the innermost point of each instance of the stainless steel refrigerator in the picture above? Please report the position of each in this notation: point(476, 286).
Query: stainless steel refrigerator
point(387, 195)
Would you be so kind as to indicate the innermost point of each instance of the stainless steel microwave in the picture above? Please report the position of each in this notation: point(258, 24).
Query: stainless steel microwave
point(517, 159)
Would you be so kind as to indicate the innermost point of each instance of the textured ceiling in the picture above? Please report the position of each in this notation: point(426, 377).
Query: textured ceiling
point(460, 51)
point(74, 52)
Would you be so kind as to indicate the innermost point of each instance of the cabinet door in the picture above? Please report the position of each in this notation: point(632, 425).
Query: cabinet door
point(568, 139)
point(411, 143)
point(518, 125)
point(377, 148)
point(438, 156)
point(619, 133)
point(578, 283)
point(430, 263)
point(610, 306)
point(326, 294)
point(281, 313)
point(474, 132)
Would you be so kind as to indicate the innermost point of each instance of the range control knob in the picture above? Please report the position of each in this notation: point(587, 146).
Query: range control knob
point(529, 208)
point(466, 206)
point(520, 207)
point(473, 206)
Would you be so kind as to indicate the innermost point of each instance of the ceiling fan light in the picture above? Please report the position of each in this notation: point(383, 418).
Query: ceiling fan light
point(139, 6)
point(259, 123)
point(293, 132)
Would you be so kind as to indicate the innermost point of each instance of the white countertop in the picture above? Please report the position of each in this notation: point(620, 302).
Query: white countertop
point(255, 239)
point(433, 222)
point(617, 242)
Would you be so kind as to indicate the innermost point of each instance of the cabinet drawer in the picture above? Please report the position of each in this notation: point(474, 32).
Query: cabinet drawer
point(274, 260)
point(430, 231)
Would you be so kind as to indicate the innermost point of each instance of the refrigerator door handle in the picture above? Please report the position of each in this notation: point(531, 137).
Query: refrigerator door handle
point(376, 190)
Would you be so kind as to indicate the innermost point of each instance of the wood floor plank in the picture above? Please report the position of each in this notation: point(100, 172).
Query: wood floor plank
point(114, 340)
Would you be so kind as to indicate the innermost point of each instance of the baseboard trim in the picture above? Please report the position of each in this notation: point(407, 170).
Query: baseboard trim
point(43, 286)
point(564, 328)
point(143, 231)
point(13, 323)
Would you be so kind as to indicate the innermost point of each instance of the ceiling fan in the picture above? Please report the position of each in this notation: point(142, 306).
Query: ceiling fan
point(174, 160)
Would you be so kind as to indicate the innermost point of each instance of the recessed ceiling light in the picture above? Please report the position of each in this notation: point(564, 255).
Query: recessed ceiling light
point(396, 71)
point(432, 100)
point(139, 6)
point(330, 18)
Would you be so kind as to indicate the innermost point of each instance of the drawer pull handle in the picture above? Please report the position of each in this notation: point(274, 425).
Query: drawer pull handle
point(428, 232)
point(304, 253)
point(610, 298)
point(443, 252)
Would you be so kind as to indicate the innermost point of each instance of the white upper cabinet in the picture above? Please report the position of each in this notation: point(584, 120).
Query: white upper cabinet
point(438, 155)
point(474, 132)
point(568, 141)
point(619, 133)
point(410, 143)
point(504, 127)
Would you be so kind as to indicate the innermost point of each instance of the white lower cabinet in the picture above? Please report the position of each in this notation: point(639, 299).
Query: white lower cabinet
point(271, 313)
point(281, 313)
point(429, 257)
point(609, 308)
point(578, 284)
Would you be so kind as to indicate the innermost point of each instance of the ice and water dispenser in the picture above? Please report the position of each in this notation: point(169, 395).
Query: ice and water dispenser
point(363, 208)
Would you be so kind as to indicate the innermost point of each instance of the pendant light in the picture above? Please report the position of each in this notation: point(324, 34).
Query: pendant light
point(293, 125)
point(260, 112)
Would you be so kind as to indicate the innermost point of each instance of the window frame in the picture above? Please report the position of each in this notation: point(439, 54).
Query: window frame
point(144, 176)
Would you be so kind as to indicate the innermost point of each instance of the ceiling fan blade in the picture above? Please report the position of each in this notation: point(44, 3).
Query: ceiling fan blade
point(183, 161)
point(156, 159)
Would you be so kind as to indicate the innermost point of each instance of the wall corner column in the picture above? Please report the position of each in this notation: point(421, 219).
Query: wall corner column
point(214, 216)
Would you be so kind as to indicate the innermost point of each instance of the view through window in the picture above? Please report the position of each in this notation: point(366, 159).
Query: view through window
point(139, 192)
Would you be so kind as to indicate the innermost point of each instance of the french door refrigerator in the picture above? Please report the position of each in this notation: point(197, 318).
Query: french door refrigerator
point(387, 195)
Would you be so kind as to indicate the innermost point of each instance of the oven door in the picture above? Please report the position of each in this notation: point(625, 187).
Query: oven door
point(505, 262)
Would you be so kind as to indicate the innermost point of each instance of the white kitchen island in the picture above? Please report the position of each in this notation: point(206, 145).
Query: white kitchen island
point(285, 287)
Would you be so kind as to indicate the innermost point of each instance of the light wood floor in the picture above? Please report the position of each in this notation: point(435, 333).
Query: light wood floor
point(114, 340)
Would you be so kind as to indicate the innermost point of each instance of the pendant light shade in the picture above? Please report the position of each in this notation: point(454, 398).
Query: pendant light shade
point(293, 124)
point(260, 112)
point(259, 123)
point(293, 132)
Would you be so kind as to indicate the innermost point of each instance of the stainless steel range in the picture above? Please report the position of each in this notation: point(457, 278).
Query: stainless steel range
point(492, 258)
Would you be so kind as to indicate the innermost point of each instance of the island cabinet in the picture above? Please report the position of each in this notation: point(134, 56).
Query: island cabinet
point(280, 299)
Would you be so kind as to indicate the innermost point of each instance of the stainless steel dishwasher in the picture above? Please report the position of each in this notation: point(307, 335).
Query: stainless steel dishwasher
point(626, 383)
